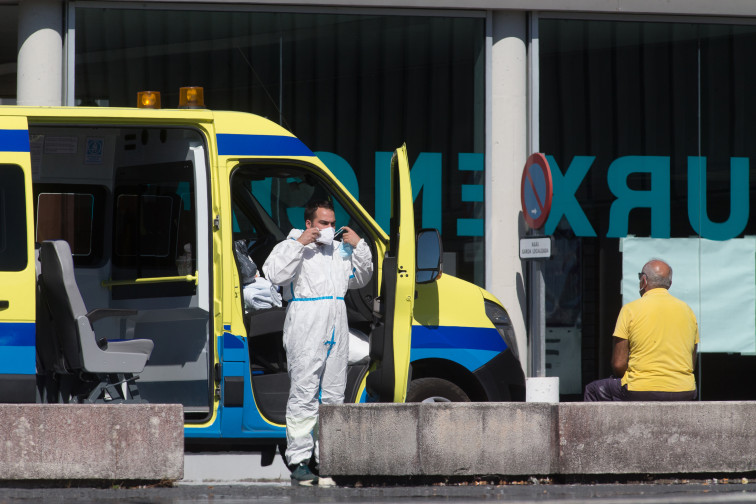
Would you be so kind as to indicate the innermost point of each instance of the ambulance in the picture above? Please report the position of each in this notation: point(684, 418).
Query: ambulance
point(119, 280)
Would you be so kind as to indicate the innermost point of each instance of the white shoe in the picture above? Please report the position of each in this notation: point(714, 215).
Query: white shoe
point(325, 481)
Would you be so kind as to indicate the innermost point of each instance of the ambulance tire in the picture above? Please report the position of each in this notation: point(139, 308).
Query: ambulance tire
point(435, 390)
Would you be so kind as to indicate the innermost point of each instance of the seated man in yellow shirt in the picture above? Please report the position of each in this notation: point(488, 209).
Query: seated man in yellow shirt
point(655, 344)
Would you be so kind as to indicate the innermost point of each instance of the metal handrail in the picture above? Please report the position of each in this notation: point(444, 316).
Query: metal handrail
point(181, 278)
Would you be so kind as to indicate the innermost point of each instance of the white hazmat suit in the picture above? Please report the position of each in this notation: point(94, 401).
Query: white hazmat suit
point(314, 279)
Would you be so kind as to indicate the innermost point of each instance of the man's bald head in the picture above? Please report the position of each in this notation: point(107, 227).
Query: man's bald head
point(658, 274)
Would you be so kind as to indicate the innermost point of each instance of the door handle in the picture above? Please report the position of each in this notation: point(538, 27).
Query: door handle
point(4, 305)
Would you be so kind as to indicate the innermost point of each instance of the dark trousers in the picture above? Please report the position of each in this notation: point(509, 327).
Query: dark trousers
point(611, 389)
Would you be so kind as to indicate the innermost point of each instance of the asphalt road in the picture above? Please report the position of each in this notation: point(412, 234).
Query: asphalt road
point(703, 491)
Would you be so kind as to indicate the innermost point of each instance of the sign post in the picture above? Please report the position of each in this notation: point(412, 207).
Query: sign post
point(536, 192)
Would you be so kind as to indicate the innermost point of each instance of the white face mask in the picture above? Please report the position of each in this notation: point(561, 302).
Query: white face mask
point(326, 236)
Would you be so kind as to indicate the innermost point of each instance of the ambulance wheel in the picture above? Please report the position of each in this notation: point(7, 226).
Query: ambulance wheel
point(435, 390)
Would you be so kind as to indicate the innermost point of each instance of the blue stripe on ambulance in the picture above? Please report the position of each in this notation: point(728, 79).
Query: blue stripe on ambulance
point(231, 144)
point(472, 347)
point(18, 351)
point(14, 141)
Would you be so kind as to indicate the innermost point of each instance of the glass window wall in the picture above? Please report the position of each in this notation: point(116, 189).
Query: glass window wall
point(352, 87)
point(648, 129)
point(8, 53)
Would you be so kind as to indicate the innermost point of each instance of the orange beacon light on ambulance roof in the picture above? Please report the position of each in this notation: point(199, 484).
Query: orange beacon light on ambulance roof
point(192, 97)
point(148, 99)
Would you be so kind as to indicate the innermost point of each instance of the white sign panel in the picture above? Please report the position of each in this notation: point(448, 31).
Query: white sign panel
point(535, 247)
point(716, 278)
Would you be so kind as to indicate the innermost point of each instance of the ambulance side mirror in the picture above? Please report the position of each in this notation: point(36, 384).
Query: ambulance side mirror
point(429, 253)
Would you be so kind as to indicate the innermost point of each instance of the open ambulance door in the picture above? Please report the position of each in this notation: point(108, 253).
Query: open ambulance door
point(391, 338)
point(17, 270)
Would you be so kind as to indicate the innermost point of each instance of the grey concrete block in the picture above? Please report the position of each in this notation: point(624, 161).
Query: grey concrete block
point(437, 439)
point(465, 439)
point(538, 438)
point(657, 438)
point(369, 439)
point(92, 442)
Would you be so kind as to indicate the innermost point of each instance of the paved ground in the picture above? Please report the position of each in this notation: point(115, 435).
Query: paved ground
point(702, 491)
point(235, 478)
point(232, 467)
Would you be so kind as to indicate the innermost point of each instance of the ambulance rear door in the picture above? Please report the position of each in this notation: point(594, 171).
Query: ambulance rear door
point(17, 271)
point(391, 339)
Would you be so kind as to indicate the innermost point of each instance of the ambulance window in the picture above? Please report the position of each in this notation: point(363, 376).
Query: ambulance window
point(143, 222)
point(12, 219)
point(74, 213)
point(270, 200)
point(154, 231)
point(66, 216)
point(275, 196)
point(243, 226)
point(251, 221)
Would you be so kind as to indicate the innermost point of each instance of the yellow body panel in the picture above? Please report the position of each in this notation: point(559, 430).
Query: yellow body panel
point(18, 287)
point(405, 283)
point(108, 115)
point(450, 301)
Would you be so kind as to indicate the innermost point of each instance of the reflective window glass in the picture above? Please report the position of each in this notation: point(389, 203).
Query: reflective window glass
point(8, 52)
point(352, 87)
point(12, 219)
point(66, 216)
point(646, 127)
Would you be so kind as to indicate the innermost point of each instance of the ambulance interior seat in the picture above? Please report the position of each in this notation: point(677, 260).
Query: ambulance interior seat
point(109, 363)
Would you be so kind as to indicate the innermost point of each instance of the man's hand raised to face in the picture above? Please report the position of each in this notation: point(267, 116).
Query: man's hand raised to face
point(309, 236)
point(350, 237)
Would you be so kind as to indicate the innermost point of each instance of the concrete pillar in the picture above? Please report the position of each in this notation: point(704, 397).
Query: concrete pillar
point(40, 52)
point(506, 155)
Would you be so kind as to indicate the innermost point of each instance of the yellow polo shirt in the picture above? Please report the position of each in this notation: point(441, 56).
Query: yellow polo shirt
point(662, 332)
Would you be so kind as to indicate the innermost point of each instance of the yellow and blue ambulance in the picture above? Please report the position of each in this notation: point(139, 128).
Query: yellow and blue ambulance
point(150, 204)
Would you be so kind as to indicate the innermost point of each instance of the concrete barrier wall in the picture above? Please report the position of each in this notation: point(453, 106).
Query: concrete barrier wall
point(657, 437)
point(92, 442)
point(537, 438)
point(437, 439)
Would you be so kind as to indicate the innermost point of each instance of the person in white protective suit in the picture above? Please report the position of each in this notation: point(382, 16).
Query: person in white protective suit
point(314, 272)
